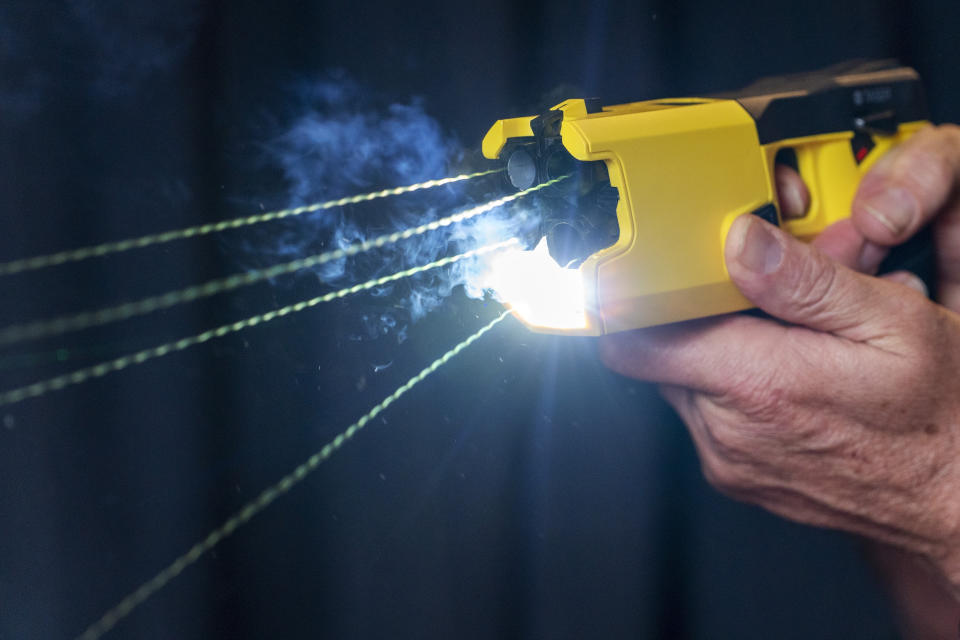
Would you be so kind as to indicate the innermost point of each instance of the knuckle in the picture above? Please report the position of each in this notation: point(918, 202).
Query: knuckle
point(911, 311)
point(948, 131)
point(928, 172)
point(729, 443)
point(723, 475)
point(765, 400)
point(776, 412)
point(926, 332)
point(745, 437)
point(761, 394)
point(929, 162)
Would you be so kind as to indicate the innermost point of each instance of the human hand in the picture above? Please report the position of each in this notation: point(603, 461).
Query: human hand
point(913, 185)
point(848, 416)
point(922, 174)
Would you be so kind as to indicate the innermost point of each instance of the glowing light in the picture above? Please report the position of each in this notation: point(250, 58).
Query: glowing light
point(539, 291)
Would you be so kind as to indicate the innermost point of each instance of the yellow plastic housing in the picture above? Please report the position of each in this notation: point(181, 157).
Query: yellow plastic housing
point(685, 169)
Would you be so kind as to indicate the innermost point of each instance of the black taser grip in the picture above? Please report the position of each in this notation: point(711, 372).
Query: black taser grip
point(916, 255)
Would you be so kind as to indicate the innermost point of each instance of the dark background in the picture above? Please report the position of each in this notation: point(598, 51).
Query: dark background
point(522, 491)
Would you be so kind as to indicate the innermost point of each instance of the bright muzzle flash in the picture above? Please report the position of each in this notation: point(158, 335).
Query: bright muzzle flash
point(536, 288)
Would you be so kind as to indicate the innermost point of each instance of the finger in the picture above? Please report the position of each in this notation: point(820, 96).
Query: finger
point(792, 192)
point(947, 239)
point(841, 240)
point(797, 283)
point(685, 402)
point(844, 243)
point(909, 186)
point(700, 354)
point(907, 279)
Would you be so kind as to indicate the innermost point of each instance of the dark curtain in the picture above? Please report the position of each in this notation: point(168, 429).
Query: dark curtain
point(520, 492)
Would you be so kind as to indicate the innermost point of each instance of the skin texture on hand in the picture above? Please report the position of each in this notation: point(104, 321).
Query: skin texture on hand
point(843, 410)
point(910, 187)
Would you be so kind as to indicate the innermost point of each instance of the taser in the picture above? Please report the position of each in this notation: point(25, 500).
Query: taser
point(636, 230)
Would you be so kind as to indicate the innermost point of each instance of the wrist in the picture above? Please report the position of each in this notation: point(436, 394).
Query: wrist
point(949, 568)
point(942, 563)
point(925, 607)
point(948, 565)
point(943, 556)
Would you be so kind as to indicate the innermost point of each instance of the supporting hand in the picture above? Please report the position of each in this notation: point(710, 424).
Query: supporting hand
point(845, 413)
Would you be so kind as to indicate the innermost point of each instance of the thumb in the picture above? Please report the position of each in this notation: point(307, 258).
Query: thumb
point(797, 283)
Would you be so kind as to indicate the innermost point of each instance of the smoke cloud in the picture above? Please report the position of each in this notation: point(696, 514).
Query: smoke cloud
point(342, 140)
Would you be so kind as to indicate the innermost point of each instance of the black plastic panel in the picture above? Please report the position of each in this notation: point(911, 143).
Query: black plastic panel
point(857, 96)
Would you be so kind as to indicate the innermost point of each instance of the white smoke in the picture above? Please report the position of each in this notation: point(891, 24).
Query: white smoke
point(341, 140)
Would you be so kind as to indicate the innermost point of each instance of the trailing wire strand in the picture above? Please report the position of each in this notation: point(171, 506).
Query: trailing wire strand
point(75, 322)
point(107, 248)
point(267, 497)
point(79, 376)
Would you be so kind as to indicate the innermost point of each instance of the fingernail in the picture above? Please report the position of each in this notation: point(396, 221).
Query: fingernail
point(911, 280)
point(914, 282)
point(870, 257)
point(792, 200)
point(894, 208)
point(754, 245)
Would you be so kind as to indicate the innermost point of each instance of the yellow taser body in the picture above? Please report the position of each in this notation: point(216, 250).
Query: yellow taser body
point(686, 168)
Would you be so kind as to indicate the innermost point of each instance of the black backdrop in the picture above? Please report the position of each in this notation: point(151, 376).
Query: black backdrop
point(521, 492)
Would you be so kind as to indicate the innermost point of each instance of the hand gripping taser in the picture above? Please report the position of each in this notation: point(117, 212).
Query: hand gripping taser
point(654, 186)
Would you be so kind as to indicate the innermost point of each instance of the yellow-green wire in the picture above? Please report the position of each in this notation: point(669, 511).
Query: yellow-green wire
point(87, 319)
point(267, 497)
point(42, 387)
point(107, 248)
